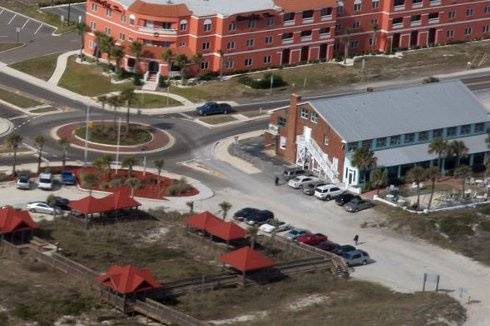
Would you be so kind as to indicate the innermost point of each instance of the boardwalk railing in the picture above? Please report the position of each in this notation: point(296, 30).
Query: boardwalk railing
point(164, 313)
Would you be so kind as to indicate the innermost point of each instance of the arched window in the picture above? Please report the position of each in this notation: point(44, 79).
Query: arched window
point(183, 25)
point(208, 24)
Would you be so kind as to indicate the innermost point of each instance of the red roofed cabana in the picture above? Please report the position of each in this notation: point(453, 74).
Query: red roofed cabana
point(121, 199)
point(90, 205)
point(227, 231)
point(128, 279)
point(202, 221)
point(246, 259)
point(16, 225)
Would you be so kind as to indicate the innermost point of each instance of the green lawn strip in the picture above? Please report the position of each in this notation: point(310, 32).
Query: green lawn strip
point(108, 135)
point(44, 110)
point(153, 101)
point(8, 46)
point(40, 67)
point(217, 119)
point(194, 94)
point(88, 80)
point(253, 114)
point(16, 99)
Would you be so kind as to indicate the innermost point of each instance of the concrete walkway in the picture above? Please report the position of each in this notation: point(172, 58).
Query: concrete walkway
point(6, 127)
point(61, 63)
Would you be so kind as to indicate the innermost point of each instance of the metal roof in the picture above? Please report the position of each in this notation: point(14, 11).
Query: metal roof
point(419, 153)
point(399, 111)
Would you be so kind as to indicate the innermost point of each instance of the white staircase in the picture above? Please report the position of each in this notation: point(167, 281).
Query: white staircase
point(151, 81)
point(308, 149)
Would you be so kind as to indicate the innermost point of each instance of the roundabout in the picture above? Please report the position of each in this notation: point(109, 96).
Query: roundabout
point(103, 137)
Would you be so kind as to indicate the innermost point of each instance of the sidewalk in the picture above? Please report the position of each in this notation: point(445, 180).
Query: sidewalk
point(61, 63)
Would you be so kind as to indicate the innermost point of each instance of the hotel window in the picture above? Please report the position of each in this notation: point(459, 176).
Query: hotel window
point(108, 12)
point(268, 40)
point(395, 140)
point(230, 45)
point(324, 31)
point(131, 20)
point(381, 142)
point(356, 24)
point(182, 44)
point(423, 136)
point(122, 36)
point(409, 138)
point(205, 46)
point(232, 27)
point(267, 59)
point(466, 129)
point(304, 113)
point(352, 146)
point(357, 5)
point(93, 26)
point(486, 10)
point(248, 62)
point(288, 17)
point(469, 12)
point(326, 12)
point(207, 25)
point(468, 31)
point(287, 36)
point(252, 23)
point(229, 64)
point(367, 143)
point(282, 142)
point(94, 6)
point(204, 65)
point(451, 14)
point(451, 132)
point(314, 117)
point(123, 18)
point(107, 30)
point(354, 44)
point(399, 3)
point(307, 14)
point(480, 127)
point(270, 21)
point(486, 29)
point(375, 4)
point(250, 43)
point(183, 25)
point(437, 133)
point(281, 122)
point(450, 34)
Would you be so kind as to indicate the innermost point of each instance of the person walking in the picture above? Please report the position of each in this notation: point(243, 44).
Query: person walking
point(276, 181)
point(356, 239)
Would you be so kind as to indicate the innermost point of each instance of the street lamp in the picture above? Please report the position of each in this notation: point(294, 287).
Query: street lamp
point(144, 150)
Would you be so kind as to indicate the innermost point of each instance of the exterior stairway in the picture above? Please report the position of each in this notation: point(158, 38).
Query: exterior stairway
point(308, 147)
point(151, 81)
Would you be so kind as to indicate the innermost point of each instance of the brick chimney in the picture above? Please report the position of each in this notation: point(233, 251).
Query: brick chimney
point(291, 125)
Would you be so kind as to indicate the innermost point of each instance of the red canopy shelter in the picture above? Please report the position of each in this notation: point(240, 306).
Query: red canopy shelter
point(227, 231)
point(202, 221)
point(91, 205)
point(13, 220)
point(128, 279)
point(122, 199)
point(246, 259)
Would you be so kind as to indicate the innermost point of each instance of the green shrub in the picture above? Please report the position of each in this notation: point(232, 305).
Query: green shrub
point(264, 82)
point(485, 226)
point(137, 80)
point(485, 209)
point(210, 75)
point(179, 187)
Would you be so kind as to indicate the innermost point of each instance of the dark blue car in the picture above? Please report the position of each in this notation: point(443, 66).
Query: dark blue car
point(68, 178)
point(213, 108)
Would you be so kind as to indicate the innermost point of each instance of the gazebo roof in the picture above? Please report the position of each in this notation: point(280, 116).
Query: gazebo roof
point(246, 259)
point(12, 220)
point(202, 221)
point(91, 205)
point(227, 231)
point(121, 199)
point(128, 279)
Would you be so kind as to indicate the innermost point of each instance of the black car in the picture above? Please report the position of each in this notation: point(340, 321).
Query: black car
point(327, 245)
point(344, 198)
point(213, 108)
point(260, 217)
point(357, 205)
point(245, 213)
point(341, 250)
point(61, 203)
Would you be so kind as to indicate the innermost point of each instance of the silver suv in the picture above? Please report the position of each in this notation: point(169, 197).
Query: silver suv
point(356, 257)
point(327, 192)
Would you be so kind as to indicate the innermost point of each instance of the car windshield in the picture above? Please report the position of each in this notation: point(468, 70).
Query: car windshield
point(45, 180)
point(24, 179)
point(67, 174)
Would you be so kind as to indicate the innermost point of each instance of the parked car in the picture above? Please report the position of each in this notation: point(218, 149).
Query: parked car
point(245, 213)
point(45, 181)
point(41, 207)
point(68, 178)
point(260, 217)
point(61, 203)
point(23, 182)
point(340, 250)
point(357, 205)
point(344, 198)
point(356, 257)
point(292, 172)
point(301, 181)
point(327, 192)
point(327, 245)
point(274, 225)
point(309, 189)
point(311, 238)
point(213, 108)
point(294, 233)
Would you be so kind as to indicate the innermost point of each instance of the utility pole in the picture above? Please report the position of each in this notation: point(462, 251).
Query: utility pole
point(118, 142)
point(85, 153)
point(144, 149)
point(69, 11)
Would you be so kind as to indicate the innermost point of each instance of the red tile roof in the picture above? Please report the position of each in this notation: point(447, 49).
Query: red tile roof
point(202, 221)
point(12, 219)
point(91, 205)
point(246, 259)
point(295, 5)
point(128, 279)
point(227, 231)
point(157, 10)
point(121, 199)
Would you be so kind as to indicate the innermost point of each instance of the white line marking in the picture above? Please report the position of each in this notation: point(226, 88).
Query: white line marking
point(27, 21)
point(39, 28)
point(19, 117)
point(1, 12)
point(12, 19)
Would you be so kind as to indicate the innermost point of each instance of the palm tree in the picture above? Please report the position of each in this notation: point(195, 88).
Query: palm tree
point(182, 61)
point(82, 28)
point(438, 146)
point(345, 39)
point(134, 184)
point(64, 143)
point(225, 207)
point(363, 159)
point(379, 178)
point(107, 46)
point(375, 29)
point(458, 149)
point(103, 163)
point(89, 180)
point(168, 57)
point(128, 96)
point(432, 174)
point(39, 142)
point(221, 63)
point(463, 172)
point(159, 165)
point(118, 54)
point(252, 234)
point(129, 162)
point(190, 204)
point(13, 143)
point(103, 100)
point(416, 175)
point(115, 102)
point(100, 167)
point(99, 37)
point(197, 60)
point(136, 49)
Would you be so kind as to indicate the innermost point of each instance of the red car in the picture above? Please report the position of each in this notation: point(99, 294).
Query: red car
point(312, 239)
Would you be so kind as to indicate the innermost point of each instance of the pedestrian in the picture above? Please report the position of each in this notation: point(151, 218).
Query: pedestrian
point(276, 181)
point(356, 239)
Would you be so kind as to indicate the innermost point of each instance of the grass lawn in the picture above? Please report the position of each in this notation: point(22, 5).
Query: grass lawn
point(152, 101)
point(16, 99)
point(8, 46)
point(253, 114)
point(40, 67)
point(320, 299)
point(88, 80)
point(217, 119)
point(44, 110)
point(105, 134)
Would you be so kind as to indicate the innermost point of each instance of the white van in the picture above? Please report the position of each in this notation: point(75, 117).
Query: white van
point(327, 192)
point(45, 181)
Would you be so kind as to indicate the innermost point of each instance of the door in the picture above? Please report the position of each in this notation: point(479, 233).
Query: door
point(432, 36)
point(305, 53)
point(323, 52)
point(307, 133)
point(153, 67)
point(414, 36)
point(395, 42)
point(286, 53)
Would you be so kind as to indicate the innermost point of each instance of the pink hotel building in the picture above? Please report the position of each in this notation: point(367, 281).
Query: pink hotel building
point(238, 35)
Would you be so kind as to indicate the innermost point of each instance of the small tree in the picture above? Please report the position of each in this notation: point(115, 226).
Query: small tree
point(438, 146)
point(128, 96)
point(416, 175)
point(107, 160)
point(253, 232)
point(463, 172)
point(134, 184)
point(190, 204)
point(225, 207)
point(168, 57)
point(379, 178)
point(458, 149)
point(345, 39)
point(182, 61)
point(115, 102)
point(364, 159)
point(197, 60)
point(89, 181)
point(159, 165)
point(221, 55)
point(39, 142)
point(118, 54)
point(129, 162)
point(136, 49)
point(103, 100)
point(82, 28)
point(65, 144)
point(13, 142)
point(433, 174)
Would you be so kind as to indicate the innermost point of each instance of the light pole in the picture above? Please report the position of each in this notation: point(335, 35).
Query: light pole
point(118, 142)
point(85, 153)
point(144, 149)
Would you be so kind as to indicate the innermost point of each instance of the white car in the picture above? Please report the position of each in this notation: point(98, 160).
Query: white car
point(41, 207)
point(45, 181)
point(301, 180)
point(23, 182)
point(327, 192)
point(267, 228)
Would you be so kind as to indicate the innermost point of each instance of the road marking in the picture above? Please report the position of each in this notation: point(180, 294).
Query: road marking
point(186, 116)
point(27, 21)
point(12, 19)
point(19, 117)
point(1, 12)
point(39, 28)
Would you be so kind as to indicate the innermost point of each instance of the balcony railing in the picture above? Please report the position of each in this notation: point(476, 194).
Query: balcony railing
point(306, 38)
point(326, 17)
point(289, 22)
point(397, 25)
point(435, 2)
point(400, 7)
point(434, 20)
point(324, 35)
point(308, 20)
point(416, 23)
point(159, 30)
point(287, 41)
